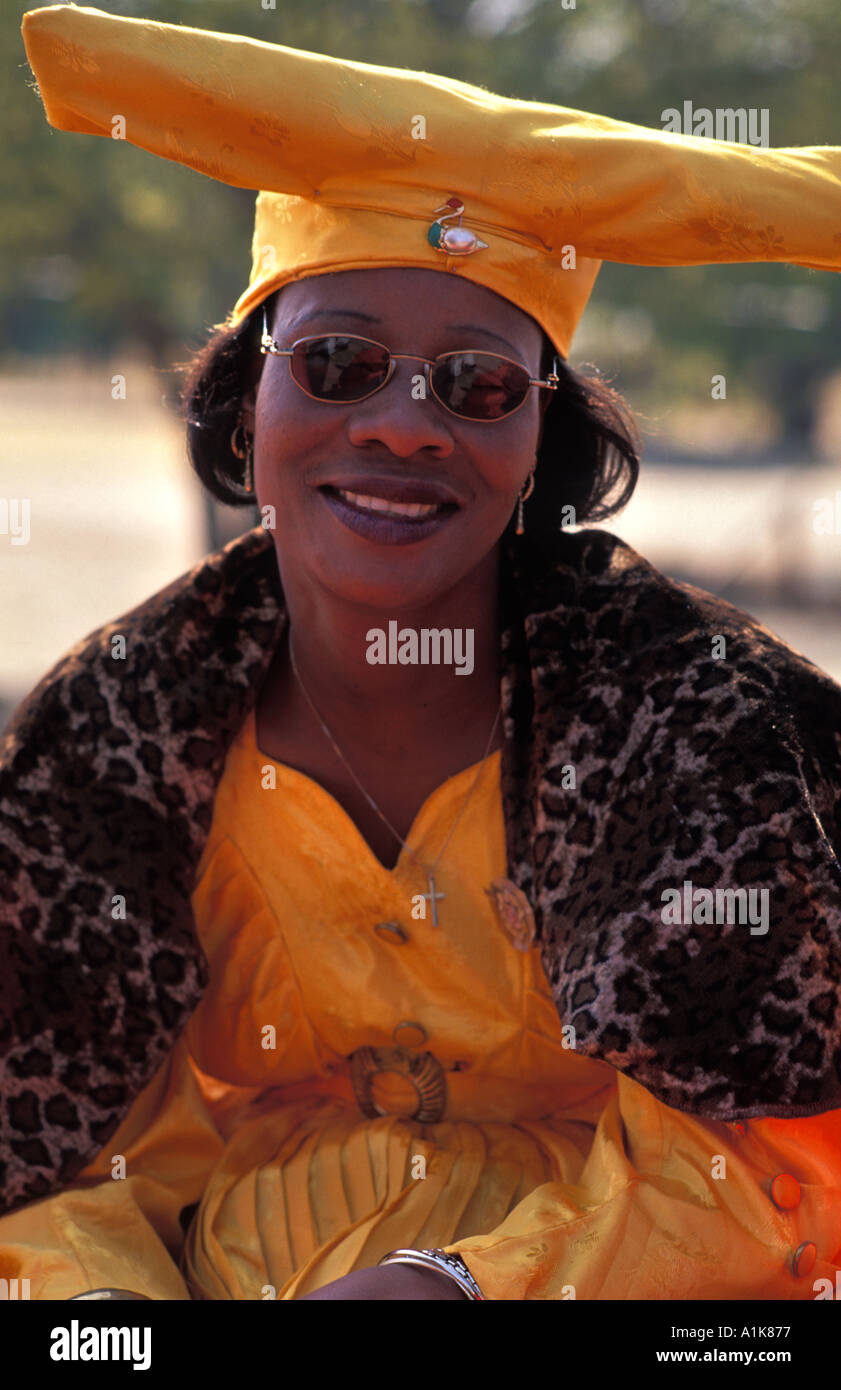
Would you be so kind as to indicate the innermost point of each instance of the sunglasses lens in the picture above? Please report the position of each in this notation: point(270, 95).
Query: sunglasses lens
point(479, 385)
point(475, 385)
point(339, 369)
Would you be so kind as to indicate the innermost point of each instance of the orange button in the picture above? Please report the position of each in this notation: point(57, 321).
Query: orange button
point(391, 932)
point(804, 1259)
point(409, 1034)
point(785, 1192)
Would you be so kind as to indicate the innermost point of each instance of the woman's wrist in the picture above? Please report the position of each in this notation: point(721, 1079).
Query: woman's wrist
point(397, 1282)
point(429, 1283)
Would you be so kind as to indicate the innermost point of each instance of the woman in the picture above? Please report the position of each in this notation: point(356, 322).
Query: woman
point(458, 1012)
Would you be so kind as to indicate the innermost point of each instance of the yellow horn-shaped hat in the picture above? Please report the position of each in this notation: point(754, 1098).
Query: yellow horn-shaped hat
point(359, 166)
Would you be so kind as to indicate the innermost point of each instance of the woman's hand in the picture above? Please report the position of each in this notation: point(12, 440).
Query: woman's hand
point(388, 1282)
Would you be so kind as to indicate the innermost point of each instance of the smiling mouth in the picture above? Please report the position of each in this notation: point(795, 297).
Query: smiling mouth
point(380, 506)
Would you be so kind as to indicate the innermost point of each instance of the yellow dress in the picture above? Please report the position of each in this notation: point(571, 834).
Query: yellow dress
point(553, 1175)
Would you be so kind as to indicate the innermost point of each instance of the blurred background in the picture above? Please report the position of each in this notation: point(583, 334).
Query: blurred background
point(116, 263)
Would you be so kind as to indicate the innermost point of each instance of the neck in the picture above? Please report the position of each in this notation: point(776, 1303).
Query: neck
point(359, 685)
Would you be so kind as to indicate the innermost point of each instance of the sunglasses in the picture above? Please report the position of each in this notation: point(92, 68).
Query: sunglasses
point(342, 369)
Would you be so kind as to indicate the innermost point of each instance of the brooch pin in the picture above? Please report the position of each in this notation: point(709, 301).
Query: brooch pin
point(457, 240)
point(513, 910)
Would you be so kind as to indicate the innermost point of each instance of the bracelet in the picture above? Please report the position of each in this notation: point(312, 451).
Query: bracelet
point(452, 1265)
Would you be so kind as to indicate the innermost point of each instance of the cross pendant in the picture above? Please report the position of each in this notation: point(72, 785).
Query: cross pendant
point(431, 896)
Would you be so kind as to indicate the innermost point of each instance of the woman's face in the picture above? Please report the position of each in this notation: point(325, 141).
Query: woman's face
point(393, 447)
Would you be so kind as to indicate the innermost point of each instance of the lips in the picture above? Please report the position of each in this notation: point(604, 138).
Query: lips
point(387, 522)
point(387, 508)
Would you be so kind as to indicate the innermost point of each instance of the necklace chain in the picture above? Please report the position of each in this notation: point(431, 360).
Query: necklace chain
point(371, 802)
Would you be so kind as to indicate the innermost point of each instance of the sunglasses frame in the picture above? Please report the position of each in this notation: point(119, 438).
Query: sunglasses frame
point(268, 347)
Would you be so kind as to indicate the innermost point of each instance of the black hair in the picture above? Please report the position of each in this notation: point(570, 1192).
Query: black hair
point(588, 459)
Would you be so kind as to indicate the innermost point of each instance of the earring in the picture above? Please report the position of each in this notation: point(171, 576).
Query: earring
point(525, 493)
point(244, 452)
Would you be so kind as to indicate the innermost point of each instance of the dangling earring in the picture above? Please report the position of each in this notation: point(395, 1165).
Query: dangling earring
point(525, 494)
point(244, 452)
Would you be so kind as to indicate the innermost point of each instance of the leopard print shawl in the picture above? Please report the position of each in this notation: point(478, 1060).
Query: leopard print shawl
point(724, 772)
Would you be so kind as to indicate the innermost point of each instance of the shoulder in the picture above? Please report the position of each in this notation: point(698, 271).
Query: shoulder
point(628, 653)
point(606, 595)
point(220, 609)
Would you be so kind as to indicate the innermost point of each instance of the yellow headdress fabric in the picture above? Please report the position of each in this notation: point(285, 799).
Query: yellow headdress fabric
point(353, 161)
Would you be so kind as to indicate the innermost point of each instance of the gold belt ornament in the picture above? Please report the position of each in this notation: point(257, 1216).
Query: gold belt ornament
point(422, 1069)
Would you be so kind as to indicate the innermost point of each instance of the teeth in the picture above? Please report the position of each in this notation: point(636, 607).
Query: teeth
point(379, 504)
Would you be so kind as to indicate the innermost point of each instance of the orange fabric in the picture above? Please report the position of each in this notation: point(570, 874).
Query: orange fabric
point(552, 1174)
